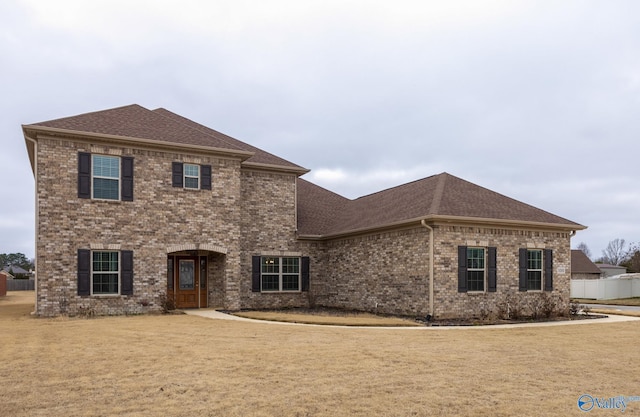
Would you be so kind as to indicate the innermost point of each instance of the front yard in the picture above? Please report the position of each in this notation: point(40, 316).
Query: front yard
point(182, 365)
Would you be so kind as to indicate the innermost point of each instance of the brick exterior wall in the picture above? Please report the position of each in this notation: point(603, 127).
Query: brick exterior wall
point(268, 208)
point(389, 272)
point(160, 216)
point(251, 212)
point(450, 303)
point(383, 272)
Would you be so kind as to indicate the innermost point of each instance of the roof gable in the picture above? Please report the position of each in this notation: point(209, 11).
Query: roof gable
point(436, 197)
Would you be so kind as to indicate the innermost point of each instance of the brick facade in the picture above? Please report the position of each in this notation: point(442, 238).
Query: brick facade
point(388, 272)
point(252, 210)
point(161, 217)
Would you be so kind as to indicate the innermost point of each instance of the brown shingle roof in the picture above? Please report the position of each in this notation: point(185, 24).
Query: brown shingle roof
point(259, 156)
point(318, 208)
point(442, 195)
point(160, 125)
point(581, 264)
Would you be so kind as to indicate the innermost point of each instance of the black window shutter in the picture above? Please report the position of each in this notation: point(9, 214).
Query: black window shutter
point(255, 274)
point(492, 277)
point(305, 273)
point(126, 272)
point(522, 262)
point(548, 270)
point(462, 269)
point(176, 174)
point(84, 175)
point(205, 177)
point(84, 272)
point(126, 192)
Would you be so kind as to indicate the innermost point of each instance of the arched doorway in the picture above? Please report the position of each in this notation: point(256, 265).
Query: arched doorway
point(189, 272)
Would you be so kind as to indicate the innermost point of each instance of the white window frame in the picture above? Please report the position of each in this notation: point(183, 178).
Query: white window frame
point(281, 274)
point(118, 272)
point(484, 269)
point(541, 270)
point(185, 176)
point(93, 176)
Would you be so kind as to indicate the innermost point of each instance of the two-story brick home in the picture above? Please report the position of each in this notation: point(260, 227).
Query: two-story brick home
point(136, 205)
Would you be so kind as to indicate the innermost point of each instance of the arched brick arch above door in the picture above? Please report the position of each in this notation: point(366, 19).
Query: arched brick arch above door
point(197, 246)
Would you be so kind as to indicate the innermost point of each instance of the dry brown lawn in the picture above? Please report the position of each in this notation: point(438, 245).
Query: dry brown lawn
point(634, 301)
point(182, 365)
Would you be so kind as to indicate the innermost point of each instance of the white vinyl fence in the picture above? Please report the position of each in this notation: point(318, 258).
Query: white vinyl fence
point(620, 286)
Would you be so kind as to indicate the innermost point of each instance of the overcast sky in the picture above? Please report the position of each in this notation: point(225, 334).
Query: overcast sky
point(537, 100)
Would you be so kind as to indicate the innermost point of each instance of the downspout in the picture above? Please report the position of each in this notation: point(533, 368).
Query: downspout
point(431, 268)
point(35, 258)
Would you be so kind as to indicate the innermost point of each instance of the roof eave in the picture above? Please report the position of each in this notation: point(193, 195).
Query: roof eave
point(506, 222)
point(271, 167)
point(34, 130)
point(448, 219)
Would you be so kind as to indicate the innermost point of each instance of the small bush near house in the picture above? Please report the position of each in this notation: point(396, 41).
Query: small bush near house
point(167, 303)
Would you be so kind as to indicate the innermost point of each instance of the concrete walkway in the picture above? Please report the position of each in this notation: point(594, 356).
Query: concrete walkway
point(214, 314)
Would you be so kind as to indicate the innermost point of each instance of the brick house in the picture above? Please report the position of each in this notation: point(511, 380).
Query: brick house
point(135, 205)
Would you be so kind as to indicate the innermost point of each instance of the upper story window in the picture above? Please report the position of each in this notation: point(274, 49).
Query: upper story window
point(105, 177)
point(191, 176)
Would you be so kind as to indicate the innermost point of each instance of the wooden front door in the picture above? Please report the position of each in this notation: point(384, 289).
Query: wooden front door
point(187, 282)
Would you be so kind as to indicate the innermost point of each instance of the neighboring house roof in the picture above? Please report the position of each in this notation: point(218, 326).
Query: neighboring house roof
point(6, 274)
point(160, 126)
point(16, 269)
point(609, 266)
point(439, 197)
point(581, 264)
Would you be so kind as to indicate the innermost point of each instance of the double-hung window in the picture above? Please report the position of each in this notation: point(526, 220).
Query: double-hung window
point(534, 269)
point(192, 176)
point(106, 177)
point(477, 269)
point(272, 274)
point(105, 272)
point(279, 274)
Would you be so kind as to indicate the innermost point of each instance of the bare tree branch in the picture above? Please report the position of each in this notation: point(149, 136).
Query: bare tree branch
point(615, 253)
